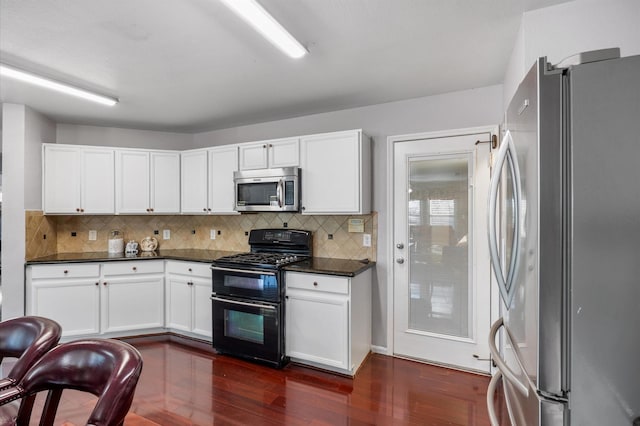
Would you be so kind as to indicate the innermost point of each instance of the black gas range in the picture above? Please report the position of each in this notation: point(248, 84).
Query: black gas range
point(248, 295)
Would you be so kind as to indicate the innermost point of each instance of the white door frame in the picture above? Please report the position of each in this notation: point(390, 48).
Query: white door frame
point(391, 141)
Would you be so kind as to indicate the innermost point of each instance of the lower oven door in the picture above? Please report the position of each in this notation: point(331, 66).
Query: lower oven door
point(248, 329)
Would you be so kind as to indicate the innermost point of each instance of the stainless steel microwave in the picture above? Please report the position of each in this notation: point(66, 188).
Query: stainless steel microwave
point(267, 190)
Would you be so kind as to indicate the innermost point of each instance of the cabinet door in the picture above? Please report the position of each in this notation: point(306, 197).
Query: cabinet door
point(165, 182)
point(202, 318)
point(253, 156)
point(317, 327)
point(223, 162)
point(194, 182)
point(61, 179)
point(331, 167)
point(284, 153)
point(132, 303)
point(74, 304)
point(98, 181)
point(132, 181)
point(179, 301)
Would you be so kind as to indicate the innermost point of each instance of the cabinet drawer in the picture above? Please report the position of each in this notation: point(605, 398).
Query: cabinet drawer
point(134, 267)
point(327, 283)
point(65, 270)
point(193, 269)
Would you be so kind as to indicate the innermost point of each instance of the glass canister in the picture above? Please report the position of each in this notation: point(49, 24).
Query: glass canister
point(116, 241)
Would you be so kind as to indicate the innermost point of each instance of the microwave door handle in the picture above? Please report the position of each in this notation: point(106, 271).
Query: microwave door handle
point(280, 193)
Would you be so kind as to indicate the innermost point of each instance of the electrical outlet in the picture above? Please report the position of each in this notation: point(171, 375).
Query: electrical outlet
point(366, 240)
point(212, 234)
point(166, 234)
point(93, 235)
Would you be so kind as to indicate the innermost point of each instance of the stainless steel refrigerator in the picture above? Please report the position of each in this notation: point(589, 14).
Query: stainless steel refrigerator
point(564, 231)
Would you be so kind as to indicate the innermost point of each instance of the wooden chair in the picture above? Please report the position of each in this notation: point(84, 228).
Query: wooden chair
point(109, 369)
point(27, 339)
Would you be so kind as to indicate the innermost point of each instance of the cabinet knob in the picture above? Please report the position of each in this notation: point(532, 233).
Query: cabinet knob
point(78, 209)
point(104, 283)
point(208, 210)
point(81, 210)
point(204, 210)
point(400, 246)
point(190, 283)
point(315, 284)
point(270, 145)
point(303, 208)
point(286, 297)
point(150, 210)
point(190, 270)
point(134, 268)
point(97, 283)
point(400, 260)
point(147, 210)
point(264, 146)
point(65, 271)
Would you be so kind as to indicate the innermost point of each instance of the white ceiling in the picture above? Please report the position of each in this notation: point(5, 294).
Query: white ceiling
point(191, 65)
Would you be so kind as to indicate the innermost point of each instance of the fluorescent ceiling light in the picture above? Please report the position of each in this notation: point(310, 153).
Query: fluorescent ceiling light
point(9, 71)
point(265, 24)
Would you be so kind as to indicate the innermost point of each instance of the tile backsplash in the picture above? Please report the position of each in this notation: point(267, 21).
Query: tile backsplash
point(193, 232)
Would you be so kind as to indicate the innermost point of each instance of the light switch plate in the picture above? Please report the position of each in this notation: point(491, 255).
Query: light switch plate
point(166, 234)
point(212, 234)
point(366, 240)
point(93, 235)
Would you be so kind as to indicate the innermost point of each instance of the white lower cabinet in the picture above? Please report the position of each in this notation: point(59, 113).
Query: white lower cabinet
point(188, 303)
point(328, 320)
point(133, 296)
point(92, 298)
point(66, 293)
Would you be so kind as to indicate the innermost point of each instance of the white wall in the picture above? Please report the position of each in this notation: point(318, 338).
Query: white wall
point(116, 137)
point(470, 108)
point(23, 131)
point(569, 28)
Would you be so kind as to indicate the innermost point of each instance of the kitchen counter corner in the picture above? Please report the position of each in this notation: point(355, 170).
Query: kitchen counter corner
point(330, 266)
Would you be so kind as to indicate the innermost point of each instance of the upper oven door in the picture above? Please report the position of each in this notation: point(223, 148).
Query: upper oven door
point(267, 190)
point(245, 283)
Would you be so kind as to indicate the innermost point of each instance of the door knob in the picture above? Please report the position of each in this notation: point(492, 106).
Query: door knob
point(400, 260)
point(400, 246)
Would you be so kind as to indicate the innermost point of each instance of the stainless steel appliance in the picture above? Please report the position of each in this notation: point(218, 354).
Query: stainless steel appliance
point(268, 190)
point(248, 292)
point(564, 226)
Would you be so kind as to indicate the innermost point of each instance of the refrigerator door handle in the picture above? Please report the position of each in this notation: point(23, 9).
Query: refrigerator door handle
point(491, 391)
point(502, 366)
point(506, 156)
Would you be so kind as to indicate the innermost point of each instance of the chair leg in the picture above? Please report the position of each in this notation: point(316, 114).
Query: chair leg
point(50, 407)
point(24, 412)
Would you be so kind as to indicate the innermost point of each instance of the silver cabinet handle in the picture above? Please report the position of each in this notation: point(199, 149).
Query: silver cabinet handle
point(243, 271)
point(506, 155)
point(502, 366)
point(491, 391)
point(400, 260)
point(400, 246)
point(237, 302)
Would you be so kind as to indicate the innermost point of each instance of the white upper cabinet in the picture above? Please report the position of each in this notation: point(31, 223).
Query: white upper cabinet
point(165, 182)
point(77, 180)
point(336, 173)
point(270, 154)
point(223, 161)
point(207, 180)
point(147, 181)
point(194, 194)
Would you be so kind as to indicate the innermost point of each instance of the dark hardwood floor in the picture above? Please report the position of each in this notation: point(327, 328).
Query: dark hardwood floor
point(187, 385)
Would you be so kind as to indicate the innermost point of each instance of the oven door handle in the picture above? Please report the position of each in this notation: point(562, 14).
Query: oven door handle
point(243, 271)
point(237, 302)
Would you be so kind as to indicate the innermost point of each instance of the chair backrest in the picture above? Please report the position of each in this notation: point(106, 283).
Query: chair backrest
point(109, 369)
point(27, 339)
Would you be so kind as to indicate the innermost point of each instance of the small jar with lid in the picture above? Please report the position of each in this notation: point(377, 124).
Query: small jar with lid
point(116, 241)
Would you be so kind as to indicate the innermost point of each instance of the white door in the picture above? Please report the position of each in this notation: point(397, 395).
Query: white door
point(442, 291)
point(165, 182)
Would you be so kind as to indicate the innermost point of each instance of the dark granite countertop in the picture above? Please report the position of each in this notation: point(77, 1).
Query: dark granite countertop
point(330, 266)
point(191, 255)
point(316, 265)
